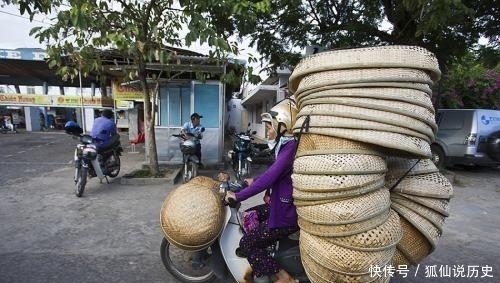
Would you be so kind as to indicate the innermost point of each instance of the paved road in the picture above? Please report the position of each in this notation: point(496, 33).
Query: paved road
point(112, 234)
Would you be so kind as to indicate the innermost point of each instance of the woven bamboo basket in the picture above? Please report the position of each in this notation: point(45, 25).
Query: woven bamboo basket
point(391, 144)
point(438, 205)
point(339, 163)
point(399, 260)
point(335, 183)
point(408, 95)
point(346, 229)
point(206, 182)
point(362, 76)
point(396, 56)
point(434, 185)
point(343, 260)
point(303, 198)
point(192, 216)
point(398, 167)
point(413, 245)
point(348, 210)
point(434, 217)
point(379, 238)
point(318, 273)
point(424, 226)
point(417, 129)
point(310, 144)
point(383, 111)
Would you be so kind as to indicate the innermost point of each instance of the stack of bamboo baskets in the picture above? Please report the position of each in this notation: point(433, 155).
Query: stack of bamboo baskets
point(357, 211)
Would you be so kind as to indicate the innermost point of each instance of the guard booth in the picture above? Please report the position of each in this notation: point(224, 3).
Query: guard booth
point(176, 104)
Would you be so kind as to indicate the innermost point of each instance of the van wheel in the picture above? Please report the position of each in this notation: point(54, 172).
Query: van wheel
point(438, 156)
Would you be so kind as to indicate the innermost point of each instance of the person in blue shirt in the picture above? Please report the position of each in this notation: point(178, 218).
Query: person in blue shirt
point(194, 130)
point(103, 129)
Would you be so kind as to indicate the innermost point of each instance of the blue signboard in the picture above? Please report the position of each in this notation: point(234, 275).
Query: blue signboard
point(23, 54)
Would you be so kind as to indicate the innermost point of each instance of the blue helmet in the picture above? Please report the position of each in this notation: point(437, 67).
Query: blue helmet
point(71, 127)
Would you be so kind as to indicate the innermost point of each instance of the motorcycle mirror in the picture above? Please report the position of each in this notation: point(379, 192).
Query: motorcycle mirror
point(254, 132)
point(202, 129)
point(249, 124)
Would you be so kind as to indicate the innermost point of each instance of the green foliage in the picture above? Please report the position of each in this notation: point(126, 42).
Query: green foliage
point(470, 84)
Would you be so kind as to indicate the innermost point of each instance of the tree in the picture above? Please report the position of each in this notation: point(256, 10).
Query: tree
point(470, 83)
point(87, 36)
point(448, 28)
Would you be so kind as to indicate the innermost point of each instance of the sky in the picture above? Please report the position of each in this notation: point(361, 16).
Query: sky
point(16, 28)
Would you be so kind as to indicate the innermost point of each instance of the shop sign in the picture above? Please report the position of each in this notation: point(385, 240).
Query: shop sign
point(121, 92)
point(22, 99)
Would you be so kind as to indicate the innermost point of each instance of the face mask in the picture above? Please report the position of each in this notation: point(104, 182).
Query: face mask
point(271, 144)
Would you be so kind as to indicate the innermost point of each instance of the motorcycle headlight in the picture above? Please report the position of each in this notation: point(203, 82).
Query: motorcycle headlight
point(230, 154)
point(89, 152)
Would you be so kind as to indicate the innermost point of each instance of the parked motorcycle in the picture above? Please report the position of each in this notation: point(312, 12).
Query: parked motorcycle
point(189, 159)
point(223, 256)
point(89, 162)
point(7, 128)
point(240, 156)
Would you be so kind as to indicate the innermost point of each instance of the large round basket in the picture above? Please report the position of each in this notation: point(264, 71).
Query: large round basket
point(192, 216)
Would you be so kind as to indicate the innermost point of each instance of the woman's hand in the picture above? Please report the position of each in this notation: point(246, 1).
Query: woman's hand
point(267, 199)
point(229, 195)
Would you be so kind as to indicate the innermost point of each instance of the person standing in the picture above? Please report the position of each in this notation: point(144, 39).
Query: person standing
point(43, 127)
point(193, 130)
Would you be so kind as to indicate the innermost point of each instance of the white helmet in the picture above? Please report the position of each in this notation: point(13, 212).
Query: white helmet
point(282, 116)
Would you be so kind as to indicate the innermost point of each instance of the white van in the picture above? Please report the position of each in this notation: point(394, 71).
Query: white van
point(462, 137)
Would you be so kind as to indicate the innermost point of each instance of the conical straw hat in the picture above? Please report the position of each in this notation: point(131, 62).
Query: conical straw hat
point(339, 163)
point(413, 96)
point(395, 56)
point(340, 259)
point(361, 76)
point(206, 182)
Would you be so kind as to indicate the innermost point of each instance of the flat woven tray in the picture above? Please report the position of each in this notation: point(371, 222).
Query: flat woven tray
point(395, 56)
point(348, 210)
point(434, 217)
point(434, 185)
point(436, 204)
point(310, 144)
point(391, 144)
point(339, 163)
point(408, 95)
point(398, 167)
point(340, 259)
point(379, 238)
point(414, 245)
point(383, 111)
point(334, 183)
point(361, 76)
point(344, 229)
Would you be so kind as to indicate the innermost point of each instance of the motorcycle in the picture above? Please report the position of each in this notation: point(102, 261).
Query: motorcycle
point(240, 156)
point(189, 159)
point(7, 128)
point(224, 255)
point(89, 162)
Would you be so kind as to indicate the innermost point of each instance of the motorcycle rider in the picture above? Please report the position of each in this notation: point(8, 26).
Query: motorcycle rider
point(104, 129)
point(194, 128)
point(278, 219)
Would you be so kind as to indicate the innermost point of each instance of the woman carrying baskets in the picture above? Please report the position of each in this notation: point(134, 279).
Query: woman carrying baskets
point(278, 219)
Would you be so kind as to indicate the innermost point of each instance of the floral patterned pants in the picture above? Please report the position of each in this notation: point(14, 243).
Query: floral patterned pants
point(255, 243)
